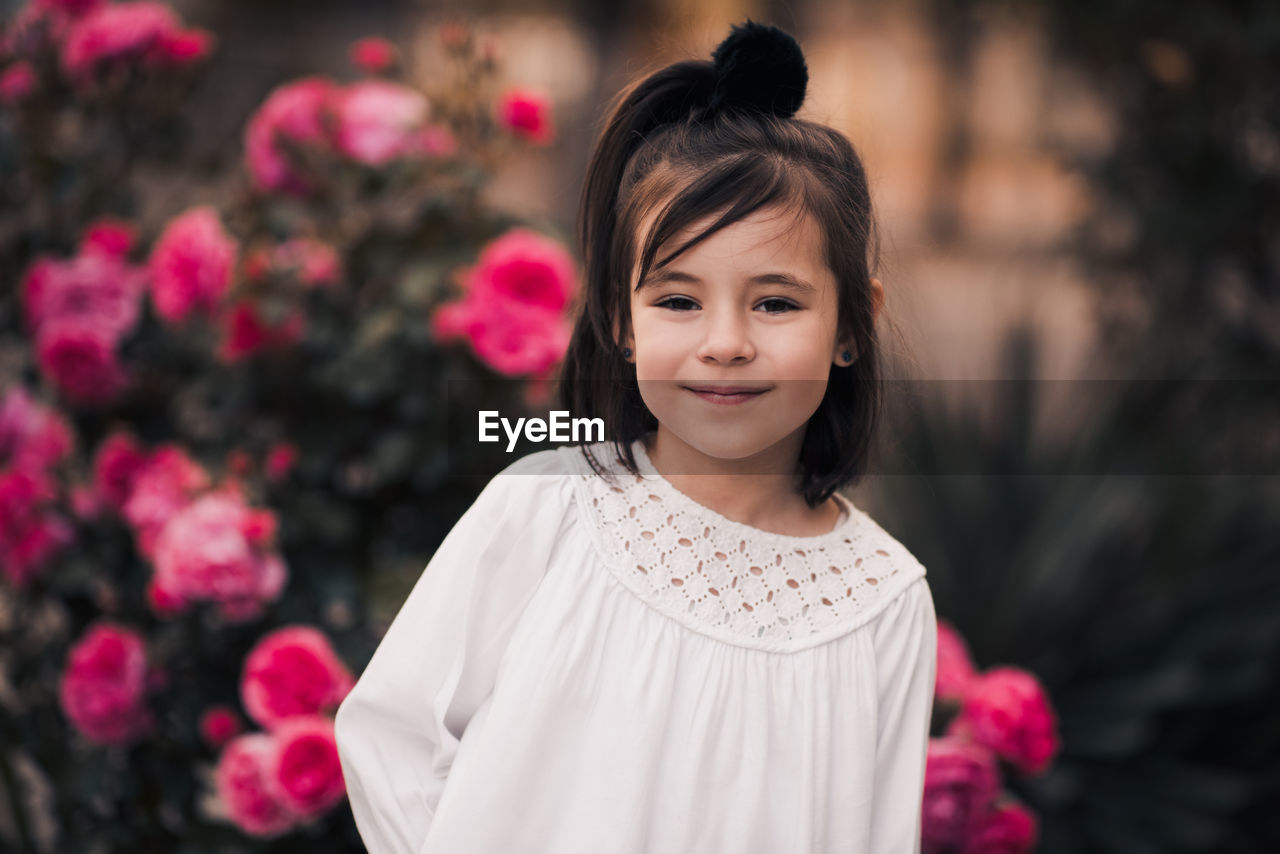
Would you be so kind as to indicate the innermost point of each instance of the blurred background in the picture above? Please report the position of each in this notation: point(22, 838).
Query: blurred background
point(289, 229)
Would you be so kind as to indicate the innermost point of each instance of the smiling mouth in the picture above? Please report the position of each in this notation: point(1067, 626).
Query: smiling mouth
point(732, 395)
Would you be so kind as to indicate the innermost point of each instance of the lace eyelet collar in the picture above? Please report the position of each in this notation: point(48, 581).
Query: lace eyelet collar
point(728, 580)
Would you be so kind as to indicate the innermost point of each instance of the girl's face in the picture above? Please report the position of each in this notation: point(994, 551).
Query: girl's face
point(752, 305)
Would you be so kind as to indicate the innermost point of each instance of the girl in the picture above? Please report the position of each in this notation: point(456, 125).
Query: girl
point(612, 651)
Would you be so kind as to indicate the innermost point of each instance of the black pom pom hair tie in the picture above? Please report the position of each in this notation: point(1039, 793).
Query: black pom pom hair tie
point(758, 67)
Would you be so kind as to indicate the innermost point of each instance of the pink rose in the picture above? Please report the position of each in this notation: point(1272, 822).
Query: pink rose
point(166, 483)
point(212, 550)
point(115, 31)
point(960, 781)
point(525, 267)
point(103, 687)
point(304, 768)
point(510, 337)
point(218, 725)
point(292, 671)
point(1006, 710)
point(99, 288)
point(183, 47)
point(116, 466)
point(292, 115)
point(191, 264)
point(1005, 829)
point(17, 82)
point(245, 332)
point(955, 667)
point(71, 8)
point(242, 783)
point(373, 55)
point(526, 113)
point(108, 237)
point(32, 435)
point(379, 121)
point(79, 357)
point(31, 531)
point(281, 458)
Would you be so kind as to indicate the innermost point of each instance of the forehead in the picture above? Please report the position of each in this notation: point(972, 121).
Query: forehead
point(776, 234)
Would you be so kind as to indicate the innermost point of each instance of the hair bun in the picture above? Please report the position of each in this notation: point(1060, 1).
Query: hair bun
point(759, 67)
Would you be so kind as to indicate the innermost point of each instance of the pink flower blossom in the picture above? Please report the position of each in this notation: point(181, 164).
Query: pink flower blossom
point(32, 532)
point(293, 114)
point(218, 725)
point(167, 482)
point(72, 8)
point(511, 339)
point(115, 31)
point(242, 783)
point(116, 465)
point(183, 47)
point(1006, 709)
point(103, 688)
point(1005, 829)
point(526, 267)
point(961, 780)
point(32, 435)
point(955, 667)
point(191, 264)
point(513, 308)
point(245, 332)
point(214, 550)
point(96, 287)
point(281, 458)
point(304, 768)
point(110, 237)
point(292, 671)
point(379, 121)
point(17, 82)
point(526, 113)
point(373, 55)
point(79, 357)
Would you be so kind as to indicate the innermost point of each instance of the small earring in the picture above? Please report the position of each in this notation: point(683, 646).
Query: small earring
point(626, 352)
point(847, 356)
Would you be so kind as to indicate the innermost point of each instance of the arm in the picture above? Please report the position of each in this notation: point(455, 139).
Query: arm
point(399, 728)
point(906, 643)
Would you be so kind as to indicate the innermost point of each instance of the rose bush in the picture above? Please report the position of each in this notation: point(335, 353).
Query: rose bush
point(220, 423)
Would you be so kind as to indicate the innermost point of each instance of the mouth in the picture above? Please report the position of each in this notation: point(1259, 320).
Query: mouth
point(726, 394)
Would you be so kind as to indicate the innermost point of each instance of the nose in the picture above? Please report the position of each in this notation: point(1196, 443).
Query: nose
point(727, 338)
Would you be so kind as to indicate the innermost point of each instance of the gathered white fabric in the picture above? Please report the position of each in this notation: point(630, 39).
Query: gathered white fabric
point(594, 664)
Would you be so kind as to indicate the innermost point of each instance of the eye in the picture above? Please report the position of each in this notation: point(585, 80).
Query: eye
point(786, 306)
point(667, 303)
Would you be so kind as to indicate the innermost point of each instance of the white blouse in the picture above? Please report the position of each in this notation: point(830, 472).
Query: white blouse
point(588, 667)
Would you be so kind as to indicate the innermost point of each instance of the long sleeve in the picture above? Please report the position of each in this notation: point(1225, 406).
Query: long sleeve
point(399, 728)
point(906, 642)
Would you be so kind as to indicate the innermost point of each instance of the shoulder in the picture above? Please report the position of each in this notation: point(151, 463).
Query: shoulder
point(540, 479)
point(890, 553)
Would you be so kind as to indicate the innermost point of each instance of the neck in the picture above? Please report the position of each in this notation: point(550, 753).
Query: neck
point(757, 490)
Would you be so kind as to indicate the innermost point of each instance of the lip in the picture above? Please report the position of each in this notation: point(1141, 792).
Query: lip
point(726, 395)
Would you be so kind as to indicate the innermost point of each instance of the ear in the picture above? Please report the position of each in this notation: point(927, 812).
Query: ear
point(837, 355)
point(877, 298)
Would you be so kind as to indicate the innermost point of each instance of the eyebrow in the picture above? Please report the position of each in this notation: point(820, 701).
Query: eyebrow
point(785, 280)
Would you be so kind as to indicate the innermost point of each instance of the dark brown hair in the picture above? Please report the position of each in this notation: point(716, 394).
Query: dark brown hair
point(663, 148)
